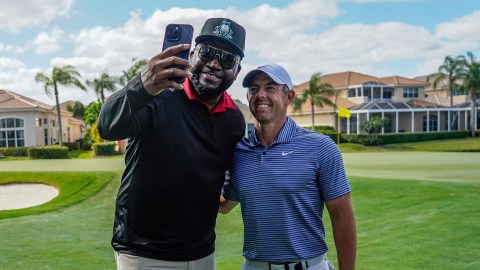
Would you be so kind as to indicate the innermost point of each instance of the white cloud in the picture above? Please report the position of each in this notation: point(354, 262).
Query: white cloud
point(10, 48)
point(375, 1)
point(48, 42)
point(270, 32)
point(287, 35)
point(16, 77)
point(453, 38)
point(10, 63)
point(25, 13)
point(464, 28)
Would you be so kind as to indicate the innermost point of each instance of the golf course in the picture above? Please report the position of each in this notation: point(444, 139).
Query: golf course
point(415, 209)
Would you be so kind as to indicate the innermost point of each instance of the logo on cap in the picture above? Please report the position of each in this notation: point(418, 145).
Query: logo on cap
point(223, 30)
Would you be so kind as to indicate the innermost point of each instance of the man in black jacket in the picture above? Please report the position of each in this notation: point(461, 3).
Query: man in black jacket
point(180, 142)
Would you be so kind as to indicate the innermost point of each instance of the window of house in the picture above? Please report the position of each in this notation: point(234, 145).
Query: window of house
point(12, 132)
point(45, 121)
point(410, 92)
point(432, 123)
point(352, 92)
point(38, 122)
point(367, 92)
point(45, 135)
point(388, 92)
point(376, 92)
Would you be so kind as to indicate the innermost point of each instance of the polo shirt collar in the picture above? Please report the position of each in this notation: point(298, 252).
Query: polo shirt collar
point(225, 102)
point(285, 135)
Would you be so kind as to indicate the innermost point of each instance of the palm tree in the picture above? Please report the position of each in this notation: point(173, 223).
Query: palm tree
point(104, 83)
point(65, 76)
point(450, 70)
point(471, 82)
point(317, 93)
point(78, 109)
point(132, 71)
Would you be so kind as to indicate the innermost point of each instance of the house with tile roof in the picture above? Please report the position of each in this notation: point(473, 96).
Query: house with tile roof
point(28, 122)
point(411, 105)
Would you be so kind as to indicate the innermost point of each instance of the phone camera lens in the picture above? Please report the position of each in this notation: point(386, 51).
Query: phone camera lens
point(174, 33)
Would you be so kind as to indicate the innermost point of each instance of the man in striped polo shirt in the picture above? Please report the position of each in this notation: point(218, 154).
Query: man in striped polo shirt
point(283, 175)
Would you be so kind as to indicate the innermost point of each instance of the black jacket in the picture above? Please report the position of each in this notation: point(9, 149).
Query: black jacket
point(177, 155)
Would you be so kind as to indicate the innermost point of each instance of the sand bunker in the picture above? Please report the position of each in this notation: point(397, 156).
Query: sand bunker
point(18, 196)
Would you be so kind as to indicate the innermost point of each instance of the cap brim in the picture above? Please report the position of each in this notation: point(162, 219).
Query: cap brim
point(254, 72)
point(229, 43)
point(249, 76)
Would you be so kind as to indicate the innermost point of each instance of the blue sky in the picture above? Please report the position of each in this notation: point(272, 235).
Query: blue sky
point(376, 37)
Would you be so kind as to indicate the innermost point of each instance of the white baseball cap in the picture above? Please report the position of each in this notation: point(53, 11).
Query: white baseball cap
point(276, 72)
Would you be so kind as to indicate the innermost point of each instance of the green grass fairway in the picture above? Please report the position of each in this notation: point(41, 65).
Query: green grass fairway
point(415, 210)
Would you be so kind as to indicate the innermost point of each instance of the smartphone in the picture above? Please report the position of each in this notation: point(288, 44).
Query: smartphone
point(178, 34)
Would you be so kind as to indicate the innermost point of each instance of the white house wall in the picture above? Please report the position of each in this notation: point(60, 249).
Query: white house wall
point(35, 136)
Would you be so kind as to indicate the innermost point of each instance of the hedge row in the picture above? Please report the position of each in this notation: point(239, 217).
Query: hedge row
point(391, 138)
point(104, 148)
point(48, 152)
point(55, 151)
point(14, 151)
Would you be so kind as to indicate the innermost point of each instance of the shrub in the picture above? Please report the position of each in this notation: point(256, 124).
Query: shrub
point(72, 145)
point(324, 129)
point(14, 151)
point(48, 152)
point(85, 144)
point(104, 148)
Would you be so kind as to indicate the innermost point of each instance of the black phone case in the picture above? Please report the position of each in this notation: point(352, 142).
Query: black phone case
point(178, 34)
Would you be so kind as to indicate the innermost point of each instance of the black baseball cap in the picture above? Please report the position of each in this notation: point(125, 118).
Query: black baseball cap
point(224, 30)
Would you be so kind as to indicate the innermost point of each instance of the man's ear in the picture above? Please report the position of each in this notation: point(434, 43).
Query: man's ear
point(290, 96)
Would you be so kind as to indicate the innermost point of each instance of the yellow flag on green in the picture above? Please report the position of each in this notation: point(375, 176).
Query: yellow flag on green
point(342, 112)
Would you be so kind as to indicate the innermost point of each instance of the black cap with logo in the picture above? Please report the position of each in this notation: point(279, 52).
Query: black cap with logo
point(224, 30)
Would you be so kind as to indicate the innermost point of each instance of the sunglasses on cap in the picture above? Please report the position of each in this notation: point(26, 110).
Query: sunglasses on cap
point(208, 53)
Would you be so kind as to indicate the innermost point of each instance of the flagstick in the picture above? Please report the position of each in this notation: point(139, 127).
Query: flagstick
point(338, 129)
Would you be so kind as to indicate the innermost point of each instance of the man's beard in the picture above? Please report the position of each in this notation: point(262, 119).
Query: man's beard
point(206, 93)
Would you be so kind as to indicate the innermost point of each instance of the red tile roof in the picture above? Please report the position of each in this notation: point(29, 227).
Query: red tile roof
point(10, 100)
point(342, 80)
point(398, 80)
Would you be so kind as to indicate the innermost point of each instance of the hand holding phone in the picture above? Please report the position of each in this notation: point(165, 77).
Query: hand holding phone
point(178, 34)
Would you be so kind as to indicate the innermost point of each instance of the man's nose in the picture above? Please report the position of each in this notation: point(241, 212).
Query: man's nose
point(262, 92)
point(215, 62)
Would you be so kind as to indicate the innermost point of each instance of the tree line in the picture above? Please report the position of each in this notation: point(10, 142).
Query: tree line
point(461, 74)
point(68, 76)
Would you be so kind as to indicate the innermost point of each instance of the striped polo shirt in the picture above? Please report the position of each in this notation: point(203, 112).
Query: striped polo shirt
point(282, 189)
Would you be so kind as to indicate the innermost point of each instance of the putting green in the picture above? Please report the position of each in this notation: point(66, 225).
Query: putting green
point(432, 166)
